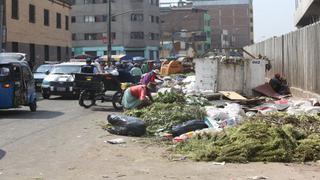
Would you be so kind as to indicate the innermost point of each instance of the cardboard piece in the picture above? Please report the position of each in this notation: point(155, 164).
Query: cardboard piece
point(232, 95)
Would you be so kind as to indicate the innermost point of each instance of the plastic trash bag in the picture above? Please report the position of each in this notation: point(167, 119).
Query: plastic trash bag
point(216, 114)
point(188, 127)
point(126, 125)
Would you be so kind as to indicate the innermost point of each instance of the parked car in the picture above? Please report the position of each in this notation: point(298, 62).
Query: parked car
point(40, 73)
point(61, 80)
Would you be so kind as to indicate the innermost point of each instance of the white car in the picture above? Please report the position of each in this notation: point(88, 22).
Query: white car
point(61, 81)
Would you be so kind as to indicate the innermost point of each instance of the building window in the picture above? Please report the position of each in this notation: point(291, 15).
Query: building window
point(150, 54)
point(14, 9)
point(15, 47)
point(101, 18)
point(113, 35)
point(95, 1)
point(137, 35)
point(97, 18)
point(32, 52)
point(59, 53)
point(58, 18)
point(157, 20)
point(74, 36)
point(93, 36)
point(46, 18)
point(46, 53)
point(151, 18)
point(67, 23)
point(137, 17)
point(67, 52)
point(32, 13)
point(88, 19)
point(73, 19)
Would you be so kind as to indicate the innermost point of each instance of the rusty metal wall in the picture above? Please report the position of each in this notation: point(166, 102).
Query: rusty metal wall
point(295, 55)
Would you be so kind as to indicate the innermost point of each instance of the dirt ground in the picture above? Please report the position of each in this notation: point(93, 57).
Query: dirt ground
point(65, 142)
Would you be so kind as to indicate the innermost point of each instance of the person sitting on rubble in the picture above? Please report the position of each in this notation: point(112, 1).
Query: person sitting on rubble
point(150, 77)
point(279, 84)
point(138, 96)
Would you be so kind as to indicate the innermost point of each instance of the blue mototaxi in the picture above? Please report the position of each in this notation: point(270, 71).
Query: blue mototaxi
point(17, 86)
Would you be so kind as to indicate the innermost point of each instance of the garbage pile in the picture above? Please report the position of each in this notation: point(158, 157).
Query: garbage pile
point(226, 130)
point(273, 138)
point(169, 110)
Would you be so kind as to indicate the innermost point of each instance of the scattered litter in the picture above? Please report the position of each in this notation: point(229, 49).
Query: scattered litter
point(177, 158)
point(257, 177)
point(115, 141)
point(219, 163)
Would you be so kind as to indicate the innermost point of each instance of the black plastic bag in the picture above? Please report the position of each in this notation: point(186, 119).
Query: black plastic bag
point(188, 126)
point(126, 125)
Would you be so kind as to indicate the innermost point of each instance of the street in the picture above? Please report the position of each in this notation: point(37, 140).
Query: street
point(64, 141)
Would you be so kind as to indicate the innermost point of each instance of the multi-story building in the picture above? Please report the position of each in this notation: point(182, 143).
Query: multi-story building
point(232, 22)
point(135, 27)
point(38, 28)
point(307, 12)
point(184, 27)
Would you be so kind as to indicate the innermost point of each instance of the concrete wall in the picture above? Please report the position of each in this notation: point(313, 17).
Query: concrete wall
point(296, 56)
point(242, 77)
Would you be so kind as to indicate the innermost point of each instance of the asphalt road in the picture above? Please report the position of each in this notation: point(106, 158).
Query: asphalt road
point(63, 141)
point(48, 138)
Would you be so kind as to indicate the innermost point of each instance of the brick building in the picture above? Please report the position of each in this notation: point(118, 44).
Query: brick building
point(232, 21)
point(187, 25)
point(39, 28)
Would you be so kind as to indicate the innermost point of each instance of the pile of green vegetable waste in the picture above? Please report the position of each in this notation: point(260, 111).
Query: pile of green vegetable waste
point(272, 138)
point(168, 110)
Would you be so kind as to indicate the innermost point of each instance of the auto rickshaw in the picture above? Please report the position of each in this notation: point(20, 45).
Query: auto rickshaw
point(17, 86)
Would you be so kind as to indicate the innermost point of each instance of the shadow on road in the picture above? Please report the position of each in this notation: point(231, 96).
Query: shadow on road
point(105, 108)
point(64, 98)
point(2, 153)
point(25, 114)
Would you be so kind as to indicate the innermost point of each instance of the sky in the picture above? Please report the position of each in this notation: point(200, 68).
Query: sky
point(271, 17)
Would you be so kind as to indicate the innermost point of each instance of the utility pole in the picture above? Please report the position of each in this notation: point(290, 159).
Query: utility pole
point(109, 33)
point(1, 24)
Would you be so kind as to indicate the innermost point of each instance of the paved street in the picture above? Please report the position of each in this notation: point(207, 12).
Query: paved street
point(65, 141)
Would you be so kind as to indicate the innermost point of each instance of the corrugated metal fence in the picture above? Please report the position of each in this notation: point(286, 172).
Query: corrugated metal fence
point(295, 55)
